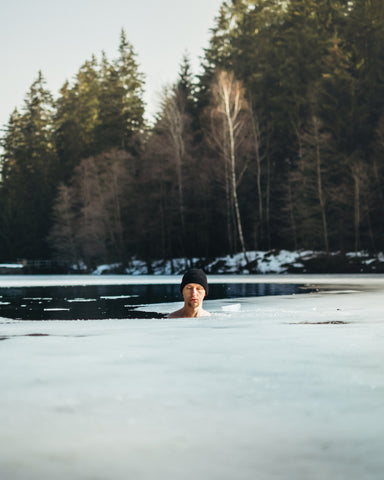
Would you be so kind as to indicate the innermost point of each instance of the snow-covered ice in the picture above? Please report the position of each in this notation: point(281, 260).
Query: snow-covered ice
point(268, 388)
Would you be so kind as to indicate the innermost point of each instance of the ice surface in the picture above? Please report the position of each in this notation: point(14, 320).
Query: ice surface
point(73, 300)
point(287, 387)
point(114, 297)
point(11, 265)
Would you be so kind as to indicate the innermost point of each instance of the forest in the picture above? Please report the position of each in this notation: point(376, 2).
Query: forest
point(278, 143)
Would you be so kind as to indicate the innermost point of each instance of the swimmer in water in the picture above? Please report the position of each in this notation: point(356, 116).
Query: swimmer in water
point(194, 288)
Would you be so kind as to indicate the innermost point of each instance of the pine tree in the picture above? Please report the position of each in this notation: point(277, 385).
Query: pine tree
point(121, 117)
point(77, 115)
point(29, 174)
point(217, 55)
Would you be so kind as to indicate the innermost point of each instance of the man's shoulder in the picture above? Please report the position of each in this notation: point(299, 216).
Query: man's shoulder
point(177, 314)
point(181, 314)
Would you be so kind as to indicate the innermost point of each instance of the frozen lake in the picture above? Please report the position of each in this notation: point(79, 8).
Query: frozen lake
point(273, 387)
point(84, 297)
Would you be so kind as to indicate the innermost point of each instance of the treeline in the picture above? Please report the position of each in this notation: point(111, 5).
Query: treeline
point(278, 143)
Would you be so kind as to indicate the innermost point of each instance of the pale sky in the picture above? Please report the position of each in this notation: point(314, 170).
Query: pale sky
point(57, 37)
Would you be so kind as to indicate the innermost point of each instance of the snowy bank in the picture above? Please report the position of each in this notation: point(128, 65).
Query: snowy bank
point(256, 262)
point(260, 262)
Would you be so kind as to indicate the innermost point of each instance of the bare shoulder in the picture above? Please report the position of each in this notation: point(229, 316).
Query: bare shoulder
point(177, 314)
point(182, 314)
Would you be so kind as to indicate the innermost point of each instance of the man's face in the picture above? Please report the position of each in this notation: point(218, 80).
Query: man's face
point(193, 294)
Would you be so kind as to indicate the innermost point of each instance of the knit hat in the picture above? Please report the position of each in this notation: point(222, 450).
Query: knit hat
point(195, 275)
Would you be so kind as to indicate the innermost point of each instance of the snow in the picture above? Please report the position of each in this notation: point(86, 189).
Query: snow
point(105, 268)
point(74, 300)
point(11, 265)
point(262, 262)
point(267, 262)
point(273, 388)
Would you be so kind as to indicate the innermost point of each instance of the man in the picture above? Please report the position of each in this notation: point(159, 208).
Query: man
point(194, 288)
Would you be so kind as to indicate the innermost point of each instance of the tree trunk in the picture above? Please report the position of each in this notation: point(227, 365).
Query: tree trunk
point(268, 203)
point(233, 177)
point(175, 126)
point(320, 186)
point(256, 136)
point(230, 126)
point(292, 216)
point(356, 203)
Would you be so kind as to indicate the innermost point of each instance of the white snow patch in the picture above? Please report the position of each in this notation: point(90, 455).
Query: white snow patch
point(106, 268)
point(11, 265)
point(37, 298)
point(80, 300)
point(115, 297)
point(235, 307)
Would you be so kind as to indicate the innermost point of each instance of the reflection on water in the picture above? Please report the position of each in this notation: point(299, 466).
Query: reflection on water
point(113, 301)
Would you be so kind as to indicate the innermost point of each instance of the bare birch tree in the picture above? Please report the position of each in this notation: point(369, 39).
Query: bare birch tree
point(377, 164)
point(63, 235)
point(260, 158)
point(173, 123)
point(91, 228)
point(229, 115)
point(319, 178)
point(170, 171)
point(88, 214)
point(103, 186)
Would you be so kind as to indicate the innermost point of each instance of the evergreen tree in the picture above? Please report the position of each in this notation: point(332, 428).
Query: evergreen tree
point(29, 174)
point(364, 37)
point(121, 105)
point(217, 55)
point(77, 115)
point(308, 163)
point(308, 195)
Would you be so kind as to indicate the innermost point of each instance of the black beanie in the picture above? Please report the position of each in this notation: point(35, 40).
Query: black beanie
point(195, 275)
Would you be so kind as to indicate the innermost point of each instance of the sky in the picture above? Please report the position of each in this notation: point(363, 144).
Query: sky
point(57, 37)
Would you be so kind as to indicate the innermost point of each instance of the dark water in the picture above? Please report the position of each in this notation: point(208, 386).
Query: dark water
point(114, 301)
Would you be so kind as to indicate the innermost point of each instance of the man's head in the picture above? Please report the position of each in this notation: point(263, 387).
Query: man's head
point(194, 288)
point(195, 276)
